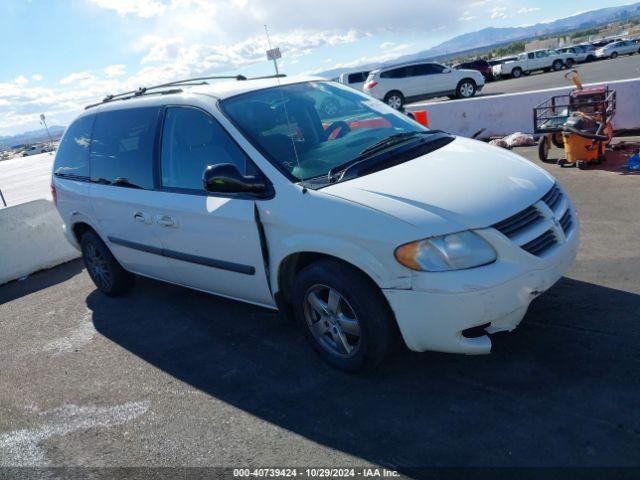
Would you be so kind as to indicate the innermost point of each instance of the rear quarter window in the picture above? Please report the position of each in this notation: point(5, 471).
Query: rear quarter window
point(122, 147)
point(72, 158)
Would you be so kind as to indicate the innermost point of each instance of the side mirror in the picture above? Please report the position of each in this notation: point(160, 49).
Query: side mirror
point(226, 178)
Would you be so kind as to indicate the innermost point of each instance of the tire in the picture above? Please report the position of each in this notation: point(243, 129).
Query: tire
point(569, 63)
point(614, 55)
point(516, 72)
point(557, 65)
point(466, 88)
point(590, 58)
point(330, 107)
point(369, 331)
point(543, 149)
point(105, 271)
point(394, 99)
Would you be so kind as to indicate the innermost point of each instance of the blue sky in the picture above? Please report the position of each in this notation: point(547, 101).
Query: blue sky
point(59, 55)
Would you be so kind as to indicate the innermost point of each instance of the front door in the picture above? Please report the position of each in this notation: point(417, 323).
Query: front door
point(212, 242)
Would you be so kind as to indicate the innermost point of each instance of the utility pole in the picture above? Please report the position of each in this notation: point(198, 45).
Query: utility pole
point(273, 53)
point(44, 122)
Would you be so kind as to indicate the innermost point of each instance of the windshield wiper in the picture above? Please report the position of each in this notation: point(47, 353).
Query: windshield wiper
point(392, 140)
point(380, 146)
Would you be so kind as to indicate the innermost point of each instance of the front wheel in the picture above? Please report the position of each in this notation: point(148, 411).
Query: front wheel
point(344, 315)
point(569, 63)
point(466, 89)
point(557, 65)
point(105, 271)
point(614, 55)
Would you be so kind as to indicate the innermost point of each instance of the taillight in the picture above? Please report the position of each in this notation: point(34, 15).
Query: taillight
point(370, 85)
point(54, 193)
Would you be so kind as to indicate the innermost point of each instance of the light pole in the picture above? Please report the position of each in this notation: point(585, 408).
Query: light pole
point(43, 122)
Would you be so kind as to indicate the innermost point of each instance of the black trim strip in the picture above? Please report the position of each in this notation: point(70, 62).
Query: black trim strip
point(185, 257)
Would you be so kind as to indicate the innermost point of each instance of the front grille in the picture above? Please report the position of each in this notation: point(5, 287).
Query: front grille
point(566, 221)
point(553, 197)
point(541, 244)
point(518, 222)
point(534, 228)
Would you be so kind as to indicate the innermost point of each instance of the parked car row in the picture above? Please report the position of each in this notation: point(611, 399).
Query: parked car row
point(399, 84)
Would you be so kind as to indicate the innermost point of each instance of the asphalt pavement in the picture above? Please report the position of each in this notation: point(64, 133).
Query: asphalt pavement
point(621, 68)
point(172, 377)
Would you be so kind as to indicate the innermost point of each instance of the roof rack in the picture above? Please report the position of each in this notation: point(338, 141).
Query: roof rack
point(178, 83)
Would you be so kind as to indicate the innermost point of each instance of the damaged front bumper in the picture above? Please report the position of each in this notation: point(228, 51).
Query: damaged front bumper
point(441, 306)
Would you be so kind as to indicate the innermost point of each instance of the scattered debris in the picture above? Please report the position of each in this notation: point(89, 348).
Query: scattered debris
point(517, 139)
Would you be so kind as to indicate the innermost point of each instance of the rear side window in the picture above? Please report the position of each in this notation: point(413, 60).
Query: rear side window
point(191, 141)
point(72, 159)
point(122, 147)
point(357, 77)
point(395, 73)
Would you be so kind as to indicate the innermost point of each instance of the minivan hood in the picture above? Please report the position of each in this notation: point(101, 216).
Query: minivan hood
point(463, 185)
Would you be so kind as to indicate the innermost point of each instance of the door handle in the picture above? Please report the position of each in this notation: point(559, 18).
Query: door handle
point(141, 217)
point(166, 221)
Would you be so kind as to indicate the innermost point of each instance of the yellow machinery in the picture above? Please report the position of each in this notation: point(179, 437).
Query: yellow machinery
point(580, 123)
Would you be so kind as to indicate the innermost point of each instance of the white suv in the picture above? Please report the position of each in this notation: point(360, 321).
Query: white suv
point(400, 84)
point(363, 228)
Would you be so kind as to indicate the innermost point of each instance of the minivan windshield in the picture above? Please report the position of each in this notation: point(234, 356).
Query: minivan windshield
point(309, 129)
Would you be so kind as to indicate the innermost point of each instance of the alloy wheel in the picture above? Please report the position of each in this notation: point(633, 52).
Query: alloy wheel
point(332, 321)
point(98, 266)
point(394, 101)
point(466, 89)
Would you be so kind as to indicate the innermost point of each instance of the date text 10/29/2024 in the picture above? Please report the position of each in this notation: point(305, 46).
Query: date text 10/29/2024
point(364, 472)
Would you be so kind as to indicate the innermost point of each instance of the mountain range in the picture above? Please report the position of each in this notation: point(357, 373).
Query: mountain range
point(490, 36)
point(34, 136)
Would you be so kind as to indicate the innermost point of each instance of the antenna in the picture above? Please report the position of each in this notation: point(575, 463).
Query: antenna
point(274, 54)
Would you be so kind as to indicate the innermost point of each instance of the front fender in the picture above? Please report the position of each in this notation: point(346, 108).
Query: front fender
point(385, 274)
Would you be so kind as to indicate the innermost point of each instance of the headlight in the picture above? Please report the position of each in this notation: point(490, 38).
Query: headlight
point(447, 252)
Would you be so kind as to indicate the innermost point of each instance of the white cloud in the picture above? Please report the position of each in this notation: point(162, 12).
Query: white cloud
point(76, 77)
point(466, 16)
point(141, 8)
point(37, 77)
point(21, 80)
point(387, 45)
point(525, 10)
point(114, 70)
point(498, 12)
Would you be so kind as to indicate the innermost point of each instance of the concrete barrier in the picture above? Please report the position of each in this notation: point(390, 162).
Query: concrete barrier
point(31, 239)
point(503, 114)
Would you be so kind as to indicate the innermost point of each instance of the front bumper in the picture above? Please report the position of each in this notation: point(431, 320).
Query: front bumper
point(433, 315)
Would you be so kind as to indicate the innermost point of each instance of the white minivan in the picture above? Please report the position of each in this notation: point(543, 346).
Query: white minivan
point(364, 228)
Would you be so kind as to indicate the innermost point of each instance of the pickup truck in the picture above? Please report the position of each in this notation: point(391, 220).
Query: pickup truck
point(528, 62)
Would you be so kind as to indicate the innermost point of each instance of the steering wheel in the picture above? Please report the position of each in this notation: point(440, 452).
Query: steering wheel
point(339, 124)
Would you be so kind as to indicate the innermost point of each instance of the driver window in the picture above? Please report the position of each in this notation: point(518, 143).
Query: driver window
point(191, 141)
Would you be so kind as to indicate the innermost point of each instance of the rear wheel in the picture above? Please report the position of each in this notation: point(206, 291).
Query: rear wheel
point(590, 58)
point(569, 62)
point(105, 271)
point(614, 55)
point(394, 100)
point(516, 72)
point(344, 315)
point(466, 88)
